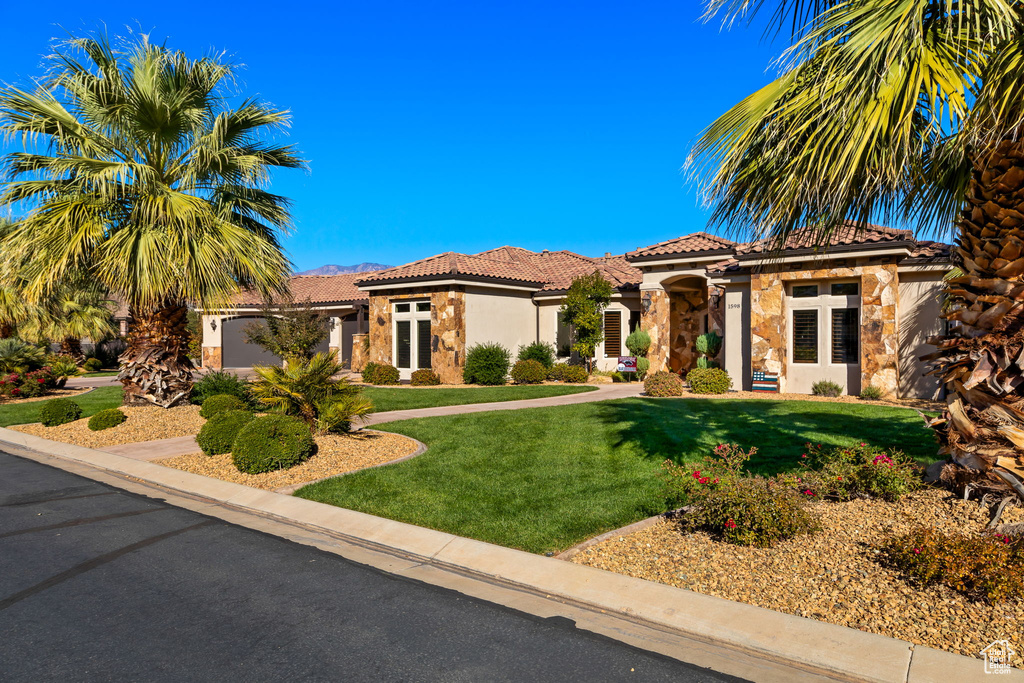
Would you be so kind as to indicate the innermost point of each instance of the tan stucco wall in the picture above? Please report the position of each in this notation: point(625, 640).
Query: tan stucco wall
point(736, 335)
point(508, 318)
point(919, 319)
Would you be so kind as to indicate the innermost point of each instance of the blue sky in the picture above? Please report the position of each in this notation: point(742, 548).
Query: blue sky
point(460, 126)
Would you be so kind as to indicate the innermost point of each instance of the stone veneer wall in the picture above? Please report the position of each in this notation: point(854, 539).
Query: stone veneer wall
point(447, 327)
point(687, 313)
point(358, 354)
point(716, 309)
point(654, 318)
point(212, 358)
point(879, 330)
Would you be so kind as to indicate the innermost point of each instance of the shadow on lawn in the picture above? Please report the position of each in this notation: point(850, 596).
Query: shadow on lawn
point(686, 430)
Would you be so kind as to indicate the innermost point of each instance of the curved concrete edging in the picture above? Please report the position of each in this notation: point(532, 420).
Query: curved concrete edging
point(817, 647)
point(421, 448)
point(600, 538)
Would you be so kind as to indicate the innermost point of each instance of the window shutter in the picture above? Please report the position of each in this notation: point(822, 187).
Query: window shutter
point(423, 343)
point(805, 336)
point(612, 334)
point(845, 335)
point(403, 342)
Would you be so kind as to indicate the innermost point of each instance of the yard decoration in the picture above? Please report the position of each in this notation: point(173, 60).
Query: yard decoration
point(152, 184)
point(582, 311)
point(873, 146)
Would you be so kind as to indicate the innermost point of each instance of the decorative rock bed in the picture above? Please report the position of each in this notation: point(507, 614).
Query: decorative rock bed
point(833, 575)
point(143, 424)
point(336, 454)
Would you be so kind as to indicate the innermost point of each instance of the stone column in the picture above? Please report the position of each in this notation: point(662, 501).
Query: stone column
point(358, 354)
point(212, 358)
point(767, 324)
point(716, 309)
point(879, 363)
point(380, 329)
point(448, 334)
point(654, 318)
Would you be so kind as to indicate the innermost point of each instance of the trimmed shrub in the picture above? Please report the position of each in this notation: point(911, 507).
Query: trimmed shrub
point(105, 419)
point(219, 404)
point(425, 377)
point(639, 343)
point(708, 381)
point(219, 433)
point(842, 473)
point(92, 365)
point(826, 388)
point(575, 374)
point(662, 384)
point(381, 374)
point(989, 566)
point(528, 372)
point(871, 393)
point(486, 364)
point(642, 366)
point(217, 383)
point(557, 372)
point(272, 442)
point(59, 411)
point(541, 352)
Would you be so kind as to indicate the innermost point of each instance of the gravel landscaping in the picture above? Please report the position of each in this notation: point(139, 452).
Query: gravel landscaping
point(833, 575)
point(67, 392)
point(336, 454)
point(143, 424)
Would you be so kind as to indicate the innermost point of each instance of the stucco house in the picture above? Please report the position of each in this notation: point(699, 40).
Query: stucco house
point(858, 312)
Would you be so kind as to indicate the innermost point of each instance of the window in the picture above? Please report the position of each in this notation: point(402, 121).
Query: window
point(845, 289)
point(423, 306)
point(403, 342)
point(845, 335)
point(612, 334)
point(804, 291)
point(401, 308)
point(423, 342)
point(805, 336)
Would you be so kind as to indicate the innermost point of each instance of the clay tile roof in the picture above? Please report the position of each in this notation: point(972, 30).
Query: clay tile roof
point(698, 242)
point(850, 233)
point(453, 264)
point(927, 250)
point(726, 266)
point(319, 289)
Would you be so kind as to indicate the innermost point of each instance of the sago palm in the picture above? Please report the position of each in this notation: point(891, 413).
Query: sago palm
point(138, 173)
point(900, 110)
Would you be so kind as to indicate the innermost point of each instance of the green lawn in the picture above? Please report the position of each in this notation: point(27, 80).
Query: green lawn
point(545, 479)
point(385, 398)
point(101, 373)
point(92, 402)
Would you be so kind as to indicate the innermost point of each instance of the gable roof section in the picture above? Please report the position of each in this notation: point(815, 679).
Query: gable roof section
point(319, 289)
point(695, 243)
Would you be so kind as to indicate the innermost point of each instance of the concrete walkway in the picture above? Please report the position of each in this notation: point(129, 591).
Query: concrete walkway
point(169, 448)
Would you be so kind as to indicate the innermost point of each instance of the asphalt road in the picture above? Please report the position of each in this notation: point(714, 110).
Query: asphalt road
point(101, 584)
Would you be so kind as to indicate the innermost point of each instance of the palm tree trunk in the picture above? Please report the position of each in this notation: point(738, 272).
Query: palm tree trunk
point(6, 329)
point(155, 368)
point(72, 346)
point(981, 360)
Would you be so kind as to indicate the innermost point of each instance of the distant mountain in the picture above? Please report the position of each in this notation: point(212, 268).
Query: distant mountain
point(339, 270)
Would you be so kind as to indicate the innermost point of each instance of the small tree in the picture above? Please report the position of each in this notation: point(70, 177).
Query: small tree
point(583, 310)
point(290, 329)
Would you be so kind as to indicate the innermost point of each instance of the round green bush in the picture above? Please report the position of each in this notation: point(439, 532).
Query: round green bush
point(219, 404)
point(425, 378)
point(529, 372)
point(369, 372)
point(272, 442)
point(557, 372)
point(385, 375)
point(105, 419)
point(709, 381)
point(575, 374)
point(219, 433)
point(486, 364)
point(662, 384)
point(542, 352)
point(92, 365)
point(871, 393)
point(59, 411)
point(826, 388)
point(642, 366)
point(220, 382)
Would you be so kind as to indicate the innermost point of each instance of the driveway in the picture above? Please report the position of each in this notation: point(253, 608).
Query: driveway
point(100, 584)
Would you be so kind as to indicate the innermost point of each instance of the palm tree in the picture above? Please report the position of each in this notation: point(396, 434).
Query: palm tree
point(137, 173)
point(73, 310)
point(12, 296)
point(900, 110)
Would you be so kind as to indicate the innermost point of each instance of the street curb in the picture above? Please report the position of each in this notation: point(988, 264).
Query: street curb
point(818, 647)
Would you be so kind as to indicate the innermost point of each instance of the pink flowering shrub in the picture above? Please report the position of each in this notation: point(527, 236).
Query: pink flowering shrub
point(842, 473)
point(746, 510)
point(990, 566)
point(15, 385)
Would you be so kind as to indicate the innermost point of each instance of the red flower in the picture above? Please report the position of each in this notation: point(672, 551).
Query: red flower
point(703, 480)
point(839, 478)
point(715, 481)
point(917, 551)
point(808, 492)
point(729, 524)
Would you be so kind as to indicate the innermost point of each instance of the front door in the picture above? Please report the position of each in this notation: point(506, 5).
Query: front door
point(411, 336)
point(823, 335)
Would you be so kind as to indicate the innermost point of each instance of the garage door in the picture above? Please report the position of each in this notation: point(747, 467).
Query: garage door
point(238, 353)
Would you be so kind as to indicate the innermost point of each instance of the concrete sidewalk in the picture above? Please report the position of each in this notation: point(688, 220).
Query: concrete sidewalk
point(753, 634)
point(169, 448)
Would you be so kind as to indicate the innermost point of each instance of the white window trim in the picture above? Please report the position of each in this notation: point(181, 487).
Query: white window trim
point(413, 316)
